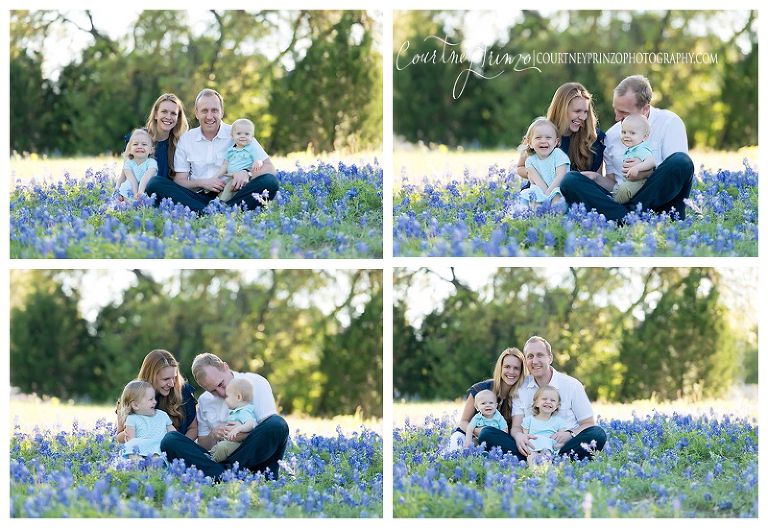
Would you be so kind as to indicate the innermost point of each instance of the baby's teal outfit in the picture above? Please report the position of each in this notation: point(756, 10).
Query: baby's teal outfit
point(223, 449)
point(547, 170)
point(240, 158)
point(543, 431)
point(626, 189)
point(497, 421)
point(138, 171)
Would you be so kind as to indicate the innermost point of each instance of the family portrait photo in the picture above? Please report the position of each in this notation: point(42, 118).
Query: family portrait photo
point(575, 133)
point(164, 393)
point(196, 134)
point(575, 392)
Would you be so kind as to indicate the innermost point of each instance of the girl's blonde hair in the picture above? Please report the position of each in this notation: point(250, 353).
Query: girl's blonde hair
point(533, 126)
point(132, 392)
point(580, 145)
point(182, 125)
point(506, 410)
point(534, 406)
point(153, 363)
point(139, 131)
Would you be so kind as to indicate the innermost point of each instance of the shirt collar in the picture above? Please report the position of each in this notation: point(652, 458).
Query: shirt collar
point(553, 382)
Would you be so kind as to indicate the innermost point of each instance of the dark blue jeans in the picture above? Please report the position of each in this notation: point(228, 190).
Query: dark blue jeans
point(497, 438)
point(167, 188)
point(260, 451)
point(667, 186)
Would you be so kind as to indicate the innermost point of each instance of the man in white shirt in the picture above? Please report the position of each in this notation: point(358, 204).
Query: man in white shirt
point(201, 152)
point(667, 186)
point(260, 449)
point(582, 437)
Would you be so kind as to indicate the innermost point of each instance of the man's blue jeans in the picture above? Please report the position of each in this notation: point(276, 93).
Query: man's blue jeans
point(666, 188)
point(260, 451)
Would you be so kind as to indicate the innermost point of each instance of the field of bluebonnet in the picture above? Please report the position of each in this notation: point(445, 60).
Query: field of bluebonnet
point(75, 473)
point(445, 214)
point(321, 211)
point(653, 466)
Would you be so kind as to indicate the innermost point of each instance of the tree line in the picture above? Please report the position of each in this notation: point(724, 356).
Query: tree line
point(309, 80)
point(319, 362)
point(716, 100)
point(674, 338)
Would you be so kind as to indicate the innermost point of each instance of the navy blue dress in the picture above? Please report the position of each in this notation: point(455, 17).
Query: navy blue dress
point(188, 406)
point(597, 151)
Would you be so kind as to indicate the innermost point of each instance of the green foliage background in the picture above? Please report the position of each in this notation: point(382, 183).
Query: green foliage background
point(319, 362)
point(677, 337)
point(717, 102)
point(308, 79)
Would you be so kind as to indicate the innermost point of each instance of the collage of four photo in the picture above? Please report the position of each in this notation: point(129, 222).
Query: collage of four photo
point(382, 263)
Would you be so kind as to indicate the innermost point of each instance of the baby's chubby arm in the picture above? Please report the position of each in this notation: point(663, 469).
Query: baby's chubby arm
point(233, 434)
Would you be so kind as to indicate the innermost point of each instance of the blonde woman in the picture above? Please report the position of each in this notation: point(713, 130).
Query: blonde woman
point(508, 374)
point(174, 396)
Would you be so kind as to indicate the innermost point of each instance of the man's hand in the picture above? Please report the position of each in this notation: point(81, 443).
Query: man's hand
point(628, 173)
point(523, 445)
point(239, 179)
point(211, 184)
point(219, 432)
point(561, 437)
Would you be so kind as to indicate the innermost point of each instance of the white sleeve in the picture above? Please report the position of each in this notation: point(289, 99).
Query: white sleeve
point(259, 153)
point(180, 158)
point(580, 403)
point(204, 426)
point(614, 151)
point(263, 400)
point(674, 139)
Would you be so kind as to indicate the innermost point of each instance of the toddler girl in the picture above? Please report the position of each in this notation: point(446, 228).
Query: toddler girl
point(139, 166)
point(145, 426)
point(543, 424)
point(546, 164)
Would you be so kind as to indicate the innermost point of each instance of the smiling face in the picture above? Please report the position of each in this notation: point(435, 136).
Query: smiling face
point(242, 134)
point(548, 402)
point(140, 146)
point(165, 380)
point(166, 117)
point(511, 370)
point(215, 381)
point(634, 130)
point(625, 105)
point(209, 113)
point(145, 405)
point(543, 139)
point(577, 112)
point(538, 360)
point(485, 403)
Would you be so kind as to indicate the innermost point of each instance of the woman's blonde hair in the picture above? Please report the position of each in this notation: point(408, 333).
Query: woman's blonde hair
point(131, 393)
point(153, 363)
point(137, 132)
point(182, 125)
point(580, 145)
point(535, 410)
point(497, 385)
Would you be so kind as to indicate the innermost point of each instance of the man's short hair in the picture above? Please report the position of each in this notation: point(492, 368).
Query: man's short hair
point(537, 339)
point(243, 387)
point(209, 92)
point(205, 360)
point(638, 85)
